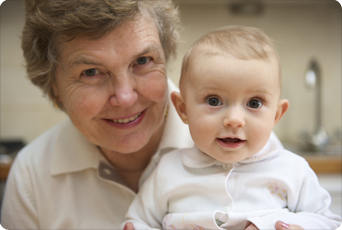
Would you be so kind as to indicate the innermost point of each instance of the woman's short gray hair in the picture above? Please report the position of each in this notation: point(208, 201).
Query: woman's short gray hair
point(48, 21)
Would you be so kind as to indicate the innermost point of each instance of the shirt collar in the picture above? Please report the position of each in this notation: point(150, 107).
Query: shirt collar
point(271, 148)
point(198, 159)
point(72, 152)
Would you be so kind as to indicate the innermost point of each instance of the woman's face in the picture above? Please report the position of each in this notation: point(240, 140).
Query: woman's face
point(114, 89)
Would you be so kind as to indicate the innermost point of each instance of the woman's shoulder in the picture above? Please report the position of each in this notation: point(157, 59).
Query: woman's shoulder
point(40, 149)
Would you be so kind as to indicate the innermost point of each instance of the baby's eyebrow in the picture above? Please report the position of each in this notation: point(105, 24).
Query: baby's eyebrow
point(262, 91)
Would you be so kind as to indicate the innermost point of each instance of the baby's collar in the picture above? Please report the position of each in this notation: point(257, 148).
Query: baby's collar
point(197, 159)
point(271, 148)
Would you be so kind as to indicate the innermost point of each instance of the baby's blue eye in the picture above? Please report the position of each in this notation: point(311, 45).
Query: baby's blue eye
point(254, 104)
point(214, 101)
point(90, 72)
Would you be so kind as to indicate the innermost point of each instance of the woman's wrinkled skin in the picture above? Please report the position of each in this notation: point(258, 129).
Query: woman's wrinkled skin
point(114, 89)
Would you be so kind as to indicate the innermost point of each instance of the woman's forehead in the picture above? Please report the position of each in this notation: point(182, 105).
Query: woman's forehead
point(131, 38)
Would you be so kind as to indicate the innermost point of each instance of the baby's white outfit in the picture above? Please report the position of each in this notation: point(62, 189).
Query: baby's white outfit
point(190, 190)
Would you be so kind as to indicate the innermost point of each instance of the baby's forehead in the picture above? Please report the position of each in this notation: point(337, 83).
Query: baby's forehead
point(199, 57)
point(206, 53)
point(243, 54)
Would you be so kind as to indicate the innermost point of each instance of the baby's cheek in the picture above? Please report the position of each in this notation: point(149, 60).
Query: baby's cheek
point(259, 137)
point(201, 129)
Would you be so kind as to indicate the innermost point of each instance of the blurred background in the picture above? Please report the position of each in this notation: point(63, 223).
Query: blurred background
point(304, 30)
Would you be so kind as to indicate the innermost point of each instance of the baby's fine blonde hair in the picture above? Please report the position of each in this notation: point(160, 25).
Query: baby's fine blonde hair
point(241, 42)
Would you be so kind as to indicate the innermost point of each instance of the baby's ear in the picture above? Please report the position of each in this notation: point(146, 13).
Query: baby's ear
point(283, 106)
point(178, 102)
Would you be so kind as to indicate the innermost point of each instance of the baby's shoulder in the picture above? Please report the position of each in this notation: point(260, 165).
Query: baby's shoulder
point(286, 157)
point(284, 153)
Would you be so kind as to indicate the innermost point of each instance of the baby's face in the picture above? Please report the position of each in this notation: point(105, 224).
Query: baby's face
point(231, 105)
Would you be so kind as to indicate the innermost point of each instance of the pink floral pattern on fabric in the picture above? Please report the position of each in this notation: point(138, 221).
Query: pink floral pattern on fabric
point(166, 223)
point(198, 228)
point(168, 226)
point(277, 190)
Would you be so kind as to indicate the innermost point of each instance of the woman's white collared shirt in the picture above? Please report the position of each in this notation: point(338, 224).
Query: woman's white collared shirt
point(62, 181)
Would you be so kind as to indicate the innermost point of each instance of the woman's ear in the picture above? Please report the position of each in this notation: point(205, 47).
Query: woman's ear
point(178, 102)
point(283, 106)
point(55, 90)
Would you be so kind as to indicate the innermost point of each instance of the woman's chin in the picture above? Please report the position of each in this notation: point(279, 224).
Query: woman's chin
point(128, 145)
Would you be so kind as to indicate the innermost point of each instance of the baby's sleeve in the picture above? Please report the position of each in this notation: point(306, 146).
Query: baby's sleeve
point(148, 208)
point(308, 203)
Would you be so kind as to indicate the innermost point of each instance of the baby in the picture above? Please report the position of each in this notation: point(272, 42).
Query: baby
point(234, 177)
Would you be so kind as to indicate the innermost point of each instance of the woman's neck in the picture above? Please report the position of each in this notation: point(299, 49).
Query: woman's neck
point(130, 166)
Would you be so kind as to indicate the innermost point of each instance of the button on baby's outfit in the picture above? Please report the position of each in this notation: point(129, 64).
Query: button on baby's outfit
point(226, 209)
point(226, 166)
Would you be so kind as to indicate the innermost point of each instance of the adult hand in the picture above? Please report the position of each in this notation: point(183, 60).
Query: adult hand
point(282, 226)
point(129, 226)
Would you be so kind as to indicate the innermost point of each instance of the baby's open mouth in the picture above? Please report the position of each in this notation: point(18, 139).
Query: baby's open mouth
point(127, 120)
point(229, 140)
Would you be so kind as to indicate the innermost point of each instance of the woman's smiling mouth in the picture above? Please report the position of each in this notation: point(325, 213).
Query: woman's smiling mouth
point(127, 120)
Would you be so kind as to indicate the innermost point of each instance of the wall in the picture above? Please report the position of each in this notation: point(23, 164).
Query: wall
point(302, 29)
point(25, 113)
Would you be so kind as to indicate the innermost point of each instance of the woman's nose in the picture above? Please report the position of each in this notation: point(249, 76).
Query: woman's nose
point(124, 92)
point(234, 118)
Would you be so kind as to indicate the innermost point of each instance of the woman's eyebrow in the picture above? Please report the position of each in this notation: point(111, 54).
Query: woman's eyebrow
point(88, 61)
point(83, 60)
point(150, 48)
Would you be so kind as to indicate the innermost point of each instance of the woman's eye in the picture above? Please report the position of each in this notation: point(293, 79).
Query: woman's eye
point(213, 101)
point(254, 104)
point(91, 72)
point(142, 60)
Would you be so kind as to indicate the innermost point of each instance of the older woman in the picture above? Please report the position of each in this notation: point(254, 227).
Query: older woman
point(104, 64)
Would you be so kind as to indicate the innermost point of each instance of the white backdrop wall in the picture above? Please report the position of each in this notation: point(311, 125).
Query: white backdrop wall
point(301, 29)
